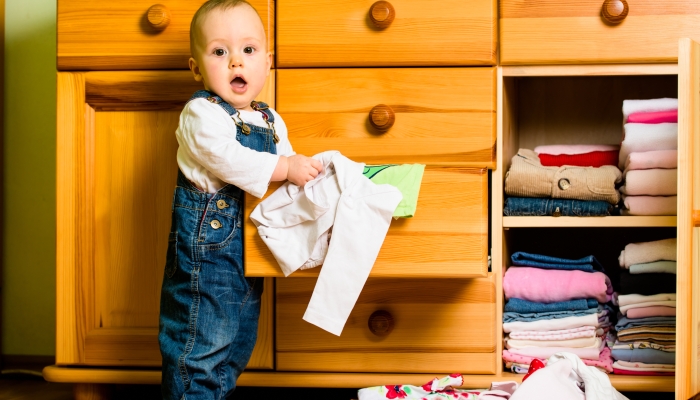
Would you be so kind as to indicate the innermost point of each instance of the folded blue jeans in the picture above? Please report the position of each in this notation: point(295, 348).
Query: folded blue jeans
point(523, 306)
point(588, 263)
point(534, 206)
point(527, 317)
point(647, 356)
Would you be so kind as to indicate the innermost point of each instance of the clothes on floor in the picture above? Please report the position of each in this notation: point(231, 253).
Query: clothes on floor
point(533, 206)
point(527, 177)
point(436, 389)
point(406, 177)
point(588, 263)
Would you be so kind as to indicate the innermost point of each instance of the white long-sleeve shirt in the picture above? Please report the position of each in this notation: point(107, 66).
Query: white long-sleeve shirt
point(210, 156)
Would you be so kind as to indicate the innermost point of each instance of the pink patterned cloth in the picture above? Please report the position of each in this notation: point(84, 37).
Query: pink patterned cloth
point(551, 286)
point(657, 117)
point(604, 360)
point(558, 149)
point(654, 311)
point(546, 352)
point(561, 334)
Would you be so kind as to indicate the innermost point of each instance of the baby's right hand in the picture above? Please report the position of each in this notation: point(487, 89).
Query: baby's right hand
point(302, 169)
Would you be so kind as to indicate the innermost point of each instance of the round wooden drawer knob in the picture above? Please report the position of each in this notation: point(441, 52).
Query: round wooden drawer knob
point(159, 16)
point(382, 14)
point(381, 323)
point(382, 117)
point(614, 11)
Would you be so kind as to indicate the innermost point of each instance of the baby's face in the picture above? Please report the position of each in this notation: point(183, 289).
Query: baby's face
point(231, 56)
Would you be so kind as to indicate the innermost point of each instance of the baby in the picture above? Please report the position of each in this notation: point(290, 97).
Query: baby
point(228, 144)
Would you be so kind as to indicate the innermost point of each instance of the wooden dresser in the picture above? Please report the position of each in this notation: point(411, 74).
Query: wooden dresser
point(403, 81)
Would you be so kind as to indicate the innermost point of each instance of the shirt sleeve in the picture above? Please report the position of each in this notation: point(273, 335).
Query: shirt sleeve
point(207, 133)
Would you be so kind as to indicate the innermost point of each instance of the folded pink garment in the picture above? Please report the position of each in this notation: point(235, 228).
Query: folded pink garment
point(650, 205)
point(653, 311)
point(663, 159)
point(559, 149)
point(561, 334)
point(604, 359)
point(551, 286)
point(656, 117)
point(546, 352)
point(651, 182)
point(647, 105)
point(639, 138)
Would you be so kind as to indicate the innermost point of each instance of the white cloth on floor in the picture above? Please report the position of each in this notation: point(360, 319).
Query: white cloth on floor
point(294, 222)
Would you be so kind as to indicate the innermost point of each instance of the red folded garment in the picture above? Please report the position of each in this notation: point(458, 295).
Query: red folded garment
point(654, 117)
point(646, 373)
point(592, 159)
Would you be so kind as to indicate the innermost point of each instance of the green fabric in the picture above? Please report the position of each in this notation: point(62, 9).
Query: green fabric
point(405, 177)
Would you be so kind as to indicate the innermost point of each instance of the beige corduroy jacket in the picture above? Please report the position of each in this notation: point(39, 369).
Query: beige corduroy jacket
point(527, 177)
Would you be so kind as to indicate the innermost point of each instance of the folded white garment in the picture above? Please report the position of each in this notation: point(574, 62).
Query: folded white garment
point(647, 105)
point(664, 159)
point(645, 252)
point(647, 137)
point(579, 343)
point(617, 365)
point(651, 182)
point(552, 324)
point(546, 352)
point(667, 303)
point(627, 299)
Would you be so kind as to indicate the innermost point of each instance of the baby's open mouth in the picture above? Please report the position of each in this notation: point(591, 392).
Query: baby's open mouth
point(239, 84)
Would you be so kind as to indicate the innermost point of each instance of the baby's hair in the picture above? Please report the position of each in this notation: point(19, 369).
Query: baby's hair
point(207, 7)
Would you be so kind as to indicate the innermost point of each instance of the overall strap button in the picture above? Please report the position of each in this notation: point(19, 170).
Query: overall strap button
point(215, 224)
point(221, 204)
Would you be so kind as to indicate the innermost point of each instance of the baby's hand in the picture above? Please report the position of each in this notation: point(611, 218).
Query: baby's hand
point(302, 169)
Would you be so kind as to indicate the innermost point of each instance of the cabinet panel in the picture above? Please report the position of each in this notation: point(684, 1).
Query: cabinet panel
point(447, 238)
point(116, 171)
point(688, 310)
point(574, 32)
point(312, 33)
point(438, 326)
point(453, 123)
point(105, 35)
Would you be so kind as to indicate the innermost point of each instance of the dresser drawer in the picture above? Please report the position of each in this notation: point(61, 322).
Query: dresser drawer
point(574, 32)
point(117, 35)
point(447, 237)
point(438, 326)
point(314, 33)
point(440, 115)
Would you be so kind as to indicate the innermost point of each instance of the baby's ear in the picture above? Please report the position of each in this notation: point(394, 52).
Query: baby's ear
point(195, 70)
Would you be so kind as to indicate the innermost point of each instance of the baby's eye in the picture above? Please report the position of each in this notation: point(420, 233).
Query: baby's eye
point(219, 52)
point(248, 50)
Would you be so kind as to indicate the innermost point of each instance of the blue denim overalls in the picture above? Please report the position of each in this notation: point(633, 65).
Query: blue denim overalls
point(208, 309)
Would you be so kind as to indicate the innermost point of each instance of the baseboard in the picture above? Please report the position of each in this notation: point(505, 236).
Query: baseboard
point(24, 362)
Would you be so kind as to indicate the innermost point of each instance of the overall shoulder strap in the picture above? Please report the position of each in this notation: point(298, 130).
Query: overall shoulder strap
point(213, 98)
point(264, 109)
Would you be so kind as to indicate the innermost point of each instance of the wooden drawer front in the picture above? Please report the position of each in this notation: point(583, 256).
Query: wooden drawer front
point(447, 237)
point(314, 33)
point(450, 123)
point(439, 326)
point(574, 32)
point(117, 35)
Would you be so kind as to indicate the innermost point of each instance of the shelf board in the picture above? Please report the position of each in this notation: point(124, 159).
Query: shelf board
point(592, 222)
point(590, 70)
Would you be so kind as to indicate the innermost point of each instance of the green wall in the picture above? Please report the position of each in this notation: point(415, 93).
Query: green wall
point(29, 229)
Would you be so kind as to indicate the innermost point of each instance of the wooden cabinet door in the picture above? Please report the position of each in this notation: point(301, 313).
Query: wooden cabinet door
point(688, 312)
point(116, 172)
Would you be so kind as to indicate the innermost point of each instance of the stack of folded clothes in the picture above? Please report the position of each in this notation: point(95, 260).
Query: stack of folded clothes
point(649, 156)
point(535, 189)
point(553, 305)
point(646, 327)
